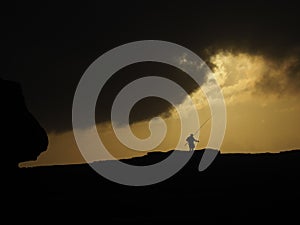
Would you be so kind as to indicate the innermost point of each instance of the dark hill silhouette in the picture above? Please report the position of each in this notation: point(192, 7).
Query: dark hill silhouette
point(235, 189)
point(22, 137)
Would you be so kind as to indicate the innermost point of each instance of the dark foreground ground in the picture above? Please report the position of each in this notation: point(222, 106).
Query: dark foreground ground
point(235, 189)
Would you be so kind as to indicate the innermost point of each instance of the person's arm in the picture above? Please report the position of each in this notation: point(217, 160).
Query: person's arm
point(196, 140)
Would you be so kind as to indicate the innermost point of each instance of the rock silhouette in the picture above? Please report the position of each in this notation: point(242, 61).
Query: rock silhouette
point(22, 137)
point(234, 189)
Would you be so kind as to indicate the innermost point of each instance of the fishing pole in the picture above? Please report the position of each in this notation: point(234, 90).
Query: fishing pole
point(201, 126)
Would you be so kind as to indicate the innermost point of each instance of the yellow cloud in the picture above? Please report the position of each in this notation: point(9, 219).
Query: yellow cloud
point(257, 120)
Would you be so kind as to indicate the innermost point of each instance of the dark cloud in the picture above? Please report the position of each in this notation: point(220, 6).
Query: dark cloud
point(48, 46)
point(281, 79)
point(148, 107)
point(294, 70)
point(293, 76)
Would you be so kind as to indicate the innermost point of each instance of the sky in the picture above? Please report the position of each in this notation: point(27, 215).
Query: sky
point(252, 48)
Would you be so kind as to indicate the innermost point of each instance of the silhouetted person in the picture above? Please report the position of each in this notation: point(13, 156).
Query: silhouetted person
point(191, 142)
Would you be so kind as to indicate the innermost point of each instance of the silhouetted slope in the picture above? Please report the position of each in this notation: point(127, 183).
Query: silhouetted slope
point(235, 189)
point(22, 137)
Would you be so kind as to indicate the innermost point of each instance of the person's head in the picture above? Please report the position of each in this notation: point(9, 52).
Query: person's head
point(191, 135)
